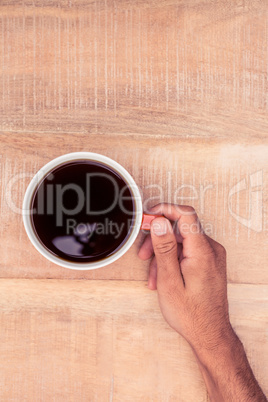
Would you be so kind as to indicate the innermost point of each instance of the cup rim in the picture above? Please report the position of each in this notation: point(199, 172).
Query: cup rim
point(42, 172)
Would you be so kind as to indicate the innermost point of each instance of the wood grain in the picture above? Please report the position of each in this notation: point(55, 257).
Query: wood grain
point(186, 171)
point(175, 91)
point(166, 67)
point(107, 341)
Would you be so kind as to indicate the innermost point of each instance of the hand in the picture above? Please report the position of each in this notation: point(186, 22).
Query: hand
point(189, 272)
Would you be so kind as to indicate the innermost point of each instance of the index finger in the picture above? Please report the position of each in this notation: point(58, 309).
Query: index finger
point(189, 226)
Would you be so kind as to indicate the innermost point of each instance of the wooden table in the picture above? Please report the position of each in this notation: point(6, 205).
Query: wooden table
point(175, 91)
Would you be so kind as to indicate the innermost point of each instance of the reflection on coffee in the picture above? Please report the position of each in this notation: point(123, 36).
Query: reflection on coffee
point(83, 211)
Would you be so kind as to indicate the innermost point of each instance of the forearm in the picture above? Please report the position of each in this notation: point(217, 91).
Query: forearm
point(227, 373)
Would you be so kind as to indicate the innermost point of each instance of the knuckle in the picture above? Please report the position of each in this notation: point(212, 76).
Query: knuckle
point(189, 210)
point(166, 247)
point(222, 250)
point(184, 209)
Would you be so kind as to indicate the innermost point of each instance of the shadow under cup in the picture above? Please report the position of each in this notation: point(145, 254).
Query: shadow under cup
point(83, 211)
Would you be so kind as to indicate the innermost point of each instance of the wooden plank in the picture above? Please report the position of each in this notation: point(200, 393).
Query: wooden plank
point(97, 341)
point(196, 172)
point(167, 67)
point(106, 340)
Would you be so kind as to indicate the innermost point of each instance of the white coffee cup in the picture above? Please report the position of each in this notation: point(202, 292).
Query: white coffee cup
point(141, 220)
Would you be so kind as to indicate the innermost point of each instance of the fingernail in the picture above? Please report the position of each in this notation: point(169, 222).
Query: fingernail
point(160, 227)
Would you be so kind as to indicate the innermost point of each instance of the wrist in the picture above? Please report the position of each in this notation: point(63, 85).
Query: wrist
point(227, 373)
point(221, 351)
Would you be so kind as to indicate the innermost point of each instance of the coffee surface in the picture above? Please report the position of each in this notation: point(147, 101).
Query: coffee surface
point(83, 211)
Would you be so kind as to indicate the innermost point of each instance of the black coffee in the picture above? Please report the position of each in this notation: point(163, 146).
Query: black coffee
point(83, 211)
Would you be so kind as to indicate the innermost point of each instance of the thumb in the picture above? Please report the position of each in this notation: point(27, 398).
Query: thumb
point(166, 253)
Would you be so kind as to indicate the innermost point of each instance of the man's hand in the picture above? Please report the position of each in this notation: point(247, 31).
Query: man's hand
point(188, 269)
point(189, 272)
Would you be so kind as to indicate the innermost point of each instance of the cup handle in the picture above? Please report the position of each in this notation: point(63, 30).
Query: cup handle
point(146, 221)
